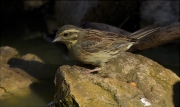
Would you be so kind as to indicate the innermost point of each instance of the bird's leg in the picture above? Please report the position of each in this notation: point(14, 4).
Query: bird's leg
point(88, 69)
point(94, 70)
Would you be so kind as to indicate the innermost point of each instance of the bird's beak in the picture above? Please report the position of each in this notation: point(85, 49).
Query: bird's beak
point(57, 39)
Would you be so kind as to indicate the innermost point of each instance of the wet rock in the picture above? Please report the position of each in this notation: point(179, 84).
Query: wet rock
point(7, 53)
point(11, 79)
point(31, 64)
point(17, 73)
point(128, 81)
point(32, 57)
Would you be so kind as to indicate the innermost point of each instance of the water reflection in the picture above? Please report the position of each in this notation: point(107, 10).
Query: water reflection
point(38, 94)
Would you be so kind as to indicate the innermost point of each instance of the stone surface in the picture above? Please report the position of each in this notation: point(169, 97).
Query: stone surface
point(7, 52)
point(112, 86)
point(17, 73)
point(12, 79)
point(31, 64)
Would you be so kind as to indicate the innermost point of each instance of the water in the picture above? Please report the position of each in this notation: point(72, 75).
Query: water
point(36, 95)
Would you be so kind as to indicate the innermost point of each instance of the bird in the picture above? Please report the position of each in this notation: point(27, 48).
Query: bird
point(96, 47)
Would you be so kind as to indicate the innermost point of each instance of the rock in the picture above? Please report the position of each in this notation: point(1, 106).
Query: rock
point(11, 79)
point(32, 57)
point(112, 86)
point(17, 73)
point(31, 64)
point(6, 53)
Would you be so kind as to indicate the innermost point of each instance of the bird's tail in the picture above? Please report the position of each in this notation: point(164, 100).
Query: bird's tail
point(144, 31)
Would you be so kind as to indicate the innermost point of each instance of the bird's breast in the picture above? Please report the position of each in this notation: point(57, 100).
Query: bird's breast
point(98, 58)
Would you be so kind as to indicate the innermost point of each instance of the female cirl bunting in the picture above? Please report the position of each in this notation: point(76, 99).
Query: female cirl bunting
point(96, 47)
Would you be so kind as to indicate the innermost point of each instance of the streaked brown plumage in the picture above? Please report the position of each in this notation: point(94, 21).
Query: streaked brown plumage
point(96, 47)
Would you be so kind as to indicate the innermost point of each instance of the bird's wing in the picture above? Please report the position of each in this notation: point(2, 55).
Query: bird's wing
point(95, 41)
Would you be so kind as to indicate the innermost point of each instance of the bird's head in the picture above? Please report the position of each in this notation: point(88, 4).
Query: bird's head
point(67, 34)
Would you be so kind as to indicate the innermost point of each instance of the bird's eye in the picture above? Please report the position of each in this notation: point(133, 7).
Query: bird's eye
point(65, 34)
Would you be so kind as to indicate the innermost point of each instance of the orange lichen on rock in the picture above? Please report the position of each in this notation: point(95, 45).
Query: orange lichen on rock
point(133, 84)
